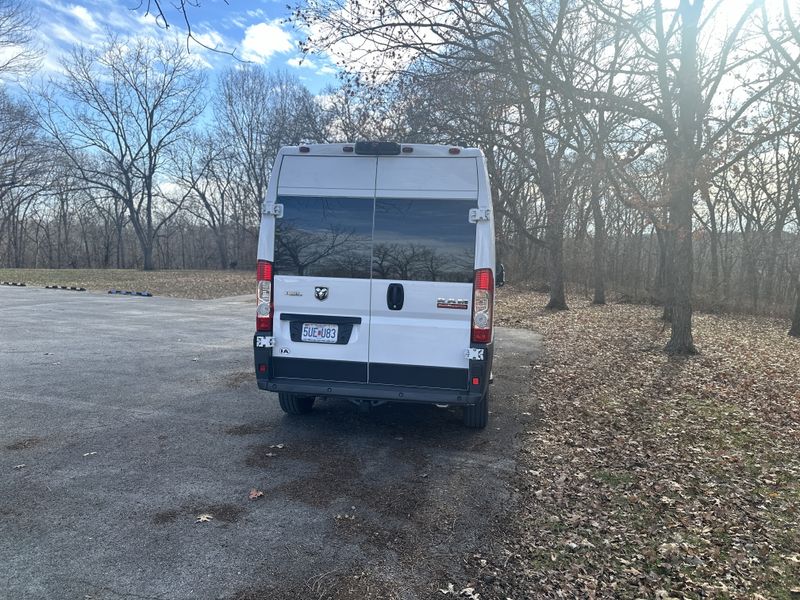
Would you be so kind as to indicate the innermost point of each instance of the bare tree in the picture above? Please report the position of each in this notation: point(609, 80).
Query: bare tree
point(24, 173)
point(258, 112)
point(207, 170)
point(116, 113)
point(464, 37)
point(672, 86)
point(17, 26)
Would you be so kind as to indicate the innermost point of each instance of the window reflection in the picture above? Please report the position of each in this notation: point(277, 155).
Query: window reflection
point(324, 237)
point(419, 239)
point(423, 240)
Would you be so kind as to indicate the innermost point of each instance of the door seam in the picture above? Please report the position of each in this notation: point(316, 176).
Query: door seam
point(371, 262)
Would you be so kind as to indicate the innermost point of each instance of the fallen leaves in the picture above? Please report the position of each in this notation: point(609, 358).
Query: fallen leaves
point(650, 476)
point(255, 494)
point(204, 518)
point(467, 592)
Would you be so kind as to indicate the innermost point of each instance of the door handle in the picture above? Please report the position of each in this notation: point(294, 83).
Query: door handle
point(395, 296)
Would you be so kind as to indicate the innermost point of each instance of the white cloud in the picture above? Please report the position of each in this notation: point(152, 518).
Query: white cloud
point(263, 40)
point(63, 34)
point(84, 16)
point(211, 39)
point(299, 62)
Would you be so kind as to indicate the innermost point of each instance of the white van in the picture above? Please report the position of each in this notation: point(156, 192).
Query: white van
point(376, 277)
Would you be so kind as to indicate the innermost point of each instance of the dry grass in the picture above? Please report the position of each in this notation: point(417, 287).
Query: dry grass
point(197, 285)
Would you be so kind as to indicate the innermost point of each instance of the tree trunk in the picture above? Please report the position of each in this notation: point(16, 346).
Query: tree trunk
point(680, 265)
point(598, 260)
point(147, 257)
point(681, 180)
point(713, 231)
point(222, 248)
point(772, 259)
point(554, 235)
point(663, 289)
point(795, 330)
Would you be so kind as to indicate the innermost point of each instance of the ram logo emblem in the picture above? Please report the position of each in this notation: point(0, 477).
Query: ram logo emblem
point(320, 293)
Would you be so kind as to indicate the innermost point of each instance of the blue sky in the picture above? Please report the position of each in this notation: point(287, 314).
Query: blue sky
point(255, 29)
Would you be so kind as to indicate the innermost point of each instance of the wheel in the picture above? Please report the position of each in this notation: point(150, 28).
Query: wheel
point(292, 404)
point(477, 415)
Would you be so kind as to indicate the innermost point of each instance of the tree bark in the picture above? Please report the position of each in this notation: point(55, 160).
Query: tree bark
point(680, 269)
point(554, 236)
point(147, 257)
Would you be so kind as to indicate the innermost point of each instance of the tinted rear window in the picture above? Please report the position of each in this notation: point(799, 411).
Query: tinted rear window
point(423, 240)
point(417, 240)
point(324, 237)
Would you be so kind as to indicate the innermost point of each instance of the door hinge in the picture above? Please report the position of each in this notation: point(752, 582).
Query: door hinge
point(479, 214)
point(276, 210)
point(475, 353)
point(264, 341)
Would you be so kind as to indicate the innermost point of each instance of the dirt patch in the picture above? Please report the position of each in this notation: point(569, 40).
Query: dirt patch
point(24, 443)
point(166, 516)
point(227, 513)
point(328, 471)
point(234, 380)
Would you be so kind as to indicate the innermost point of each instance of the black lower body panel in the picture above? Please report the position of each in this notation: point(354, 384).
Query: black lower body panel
point(322, 370)
point(398, 383)
point(418, 376)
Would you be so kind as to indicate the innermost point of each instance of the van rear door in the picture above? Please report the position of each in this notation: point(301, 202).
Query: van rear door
point(323, 247)
point(422, 270)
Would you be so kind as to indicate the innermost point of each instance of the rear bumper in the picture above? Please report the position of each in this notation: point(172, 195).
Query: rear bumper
point(424, 390)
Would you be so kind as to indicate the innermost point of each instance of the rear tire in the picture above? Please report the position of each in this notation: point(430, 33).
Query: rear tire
point(477, 415)
point(292, 404)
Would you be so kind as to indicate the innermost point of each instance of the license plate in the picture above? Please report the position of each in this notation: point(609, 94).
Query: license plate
point(314, 332)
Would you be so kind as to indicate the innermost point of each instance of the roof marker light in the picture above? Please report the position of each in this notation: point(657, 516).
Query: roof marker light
point(454, 150)
point(407, 149)
point(305, 149)
point(347, 149)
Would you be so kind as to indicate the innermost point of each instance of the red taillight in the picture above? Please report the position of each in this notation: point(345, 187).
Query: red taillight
point(264, 302)
point(482, 301)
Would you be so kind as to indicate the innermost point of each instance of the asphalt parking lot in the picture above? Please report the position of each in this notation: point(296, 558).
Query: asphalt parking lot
point(123, 419)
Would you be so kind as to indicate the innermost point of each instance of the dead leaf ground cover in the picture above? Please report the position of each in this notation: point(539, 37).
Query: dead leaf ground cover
point(651, 476)
point(196, 285)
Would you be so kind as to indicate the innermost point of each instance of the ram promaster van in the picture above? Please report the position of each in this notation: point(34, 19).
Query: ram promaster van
point(376, 277)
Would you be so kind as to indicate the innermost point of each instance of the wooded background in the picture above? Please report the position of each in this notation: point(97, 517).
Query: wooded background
point(647, 148)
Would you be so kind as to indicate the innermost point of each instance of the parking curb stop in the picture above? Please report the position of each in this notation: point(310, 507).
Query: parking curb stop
point(131, 293)
point(65, 287)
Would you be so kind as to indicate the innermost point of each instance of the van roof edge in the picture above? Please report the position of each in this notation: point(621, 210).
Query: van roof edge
point(420, 150)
